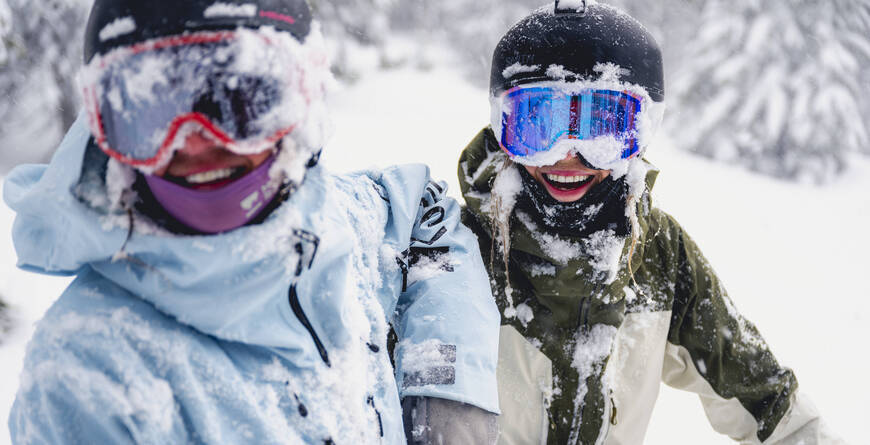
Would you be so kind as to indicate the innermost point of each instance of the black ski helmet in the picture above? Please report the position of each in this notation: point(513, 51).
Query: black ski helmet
point(578, 38)
point(142, 20)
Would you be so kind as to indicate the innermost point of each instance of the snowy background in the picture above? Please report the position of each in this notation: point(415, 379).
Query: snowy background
point(781, 212)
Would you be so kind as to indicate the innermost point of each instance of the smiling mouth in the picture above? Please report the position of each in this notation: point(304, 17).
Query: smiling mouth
point(209, 180)
point(567, 183)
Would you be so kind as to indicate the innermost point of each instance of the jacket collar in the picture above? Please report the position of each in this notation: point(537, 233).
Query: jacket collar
point(560, 269)
point(208, 282)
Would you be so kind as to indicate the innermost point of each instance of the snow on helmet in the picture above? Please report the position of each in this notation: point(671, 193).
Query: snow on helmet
point(118, 23)
point(578, 36)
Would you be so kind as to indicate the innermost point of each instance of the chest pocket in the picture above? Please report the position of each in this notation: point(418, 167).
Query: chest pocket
point(525, 385)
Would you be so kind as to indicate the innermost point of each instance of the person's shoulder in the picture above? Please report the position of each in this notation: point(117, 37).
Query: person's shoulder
point(98, 320)
point(98, 356)
point(403, 175)
point(400, 185)
point(662, 229)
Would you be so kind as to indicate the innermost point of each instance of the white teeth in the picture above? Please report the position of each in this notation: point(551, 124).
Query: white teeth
point(209, 176)
point(566, 179)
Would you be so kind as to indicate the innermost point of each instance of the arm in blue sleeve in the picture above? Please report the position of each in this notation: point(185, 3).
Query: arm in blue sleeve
point(447, 321)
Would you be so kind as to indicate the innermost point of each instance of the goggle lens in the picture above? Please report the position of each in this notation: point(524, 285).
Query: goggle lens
point(534, 119)
point(141, 100)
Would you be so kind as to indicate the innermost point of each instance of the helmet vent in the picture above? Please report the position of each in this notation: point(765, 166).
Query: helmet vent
point(570, 7)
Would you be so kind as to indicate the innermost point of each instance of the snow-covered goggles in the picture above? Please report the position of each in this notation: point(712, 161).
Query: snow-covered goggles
point(534, 119)
point(242, 88)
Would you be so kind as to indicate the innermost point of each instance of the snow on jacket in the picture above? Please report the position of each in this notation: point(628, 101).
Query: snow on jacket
point(583, 358)
point(271, 333)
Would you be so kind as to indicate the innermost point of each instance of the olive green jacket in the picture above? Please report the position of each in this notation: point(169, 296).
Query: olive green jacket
point(583, 353)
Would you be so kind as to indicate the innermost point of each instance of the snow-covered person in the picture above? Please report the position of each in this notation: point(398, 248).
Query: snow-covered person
point(603, 296)
point(228, 289)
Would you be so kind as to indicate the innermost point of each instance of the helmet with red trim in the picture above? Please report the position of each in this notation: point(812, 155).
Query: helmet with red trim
point(117, 23)
point(248, 76)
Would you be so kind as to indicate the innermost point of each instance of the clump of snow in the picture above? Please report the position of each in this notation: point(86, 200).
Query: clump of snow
point(518, 68)
point(119, 184)
point(630, 295)
point(610, 72)
point(559, 72)
point(230, 10)
point(505, 188)
point(541, 269)
point(555, 247)
point(419, 431)
point(424, 356)
point(590, 352)
point(117, 28)
point(524, 314)
point(605, 251)
point(636, 180)
point(431, 266)
point(602, 152)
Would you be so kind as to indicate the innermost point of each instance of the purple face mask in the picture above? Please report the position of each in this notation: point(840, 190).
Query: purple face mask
point(220, 210)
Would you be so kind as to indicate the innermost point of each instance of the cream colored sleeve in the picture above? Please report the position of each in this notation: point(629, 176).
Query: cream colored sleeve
point(802, 424)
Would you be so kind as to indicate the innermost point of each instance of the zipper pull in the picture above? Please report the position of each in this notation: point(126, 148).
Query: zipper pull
point(612, 412)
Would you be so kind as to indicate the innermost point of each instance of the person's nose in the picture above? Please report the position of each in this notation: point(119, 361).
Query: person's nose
point(197, 144)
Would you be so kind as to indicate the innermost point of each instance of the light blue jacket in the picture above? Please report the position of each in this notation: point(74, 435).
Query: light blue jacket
point(273, 333)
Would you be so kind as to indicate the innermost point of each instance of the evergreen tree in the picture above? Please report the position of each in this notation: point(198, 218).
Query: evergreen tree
point(5, 30)
point(43, 49)
point(775, 85)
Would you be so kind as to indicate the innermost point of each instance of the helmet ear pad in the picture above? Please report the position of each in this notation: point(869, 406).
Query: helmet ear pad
point(577, 42)
point(118, 23)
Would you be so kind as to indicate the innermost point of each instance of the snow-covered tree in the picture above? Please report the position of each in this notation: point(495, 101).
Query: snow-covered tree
point(5, 30)
point(37, 77)
point(775, 85)
point(771, 84)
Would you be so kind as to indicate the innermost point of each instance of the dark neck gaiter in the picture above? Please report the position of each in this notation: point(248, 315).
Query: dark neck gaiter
point(601, 208)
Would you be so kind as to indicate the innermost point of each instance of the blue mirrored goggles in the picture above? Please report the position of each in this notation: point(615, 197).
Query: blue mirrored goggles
point(534, 119)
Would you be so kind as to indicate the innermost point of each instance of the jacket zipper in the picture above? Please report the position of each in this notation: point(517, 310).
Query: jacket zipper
point(606, 419)
point(371, 402)
point(300, 314)
point(583, 317)
point(582, 326)
point(609, 415)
